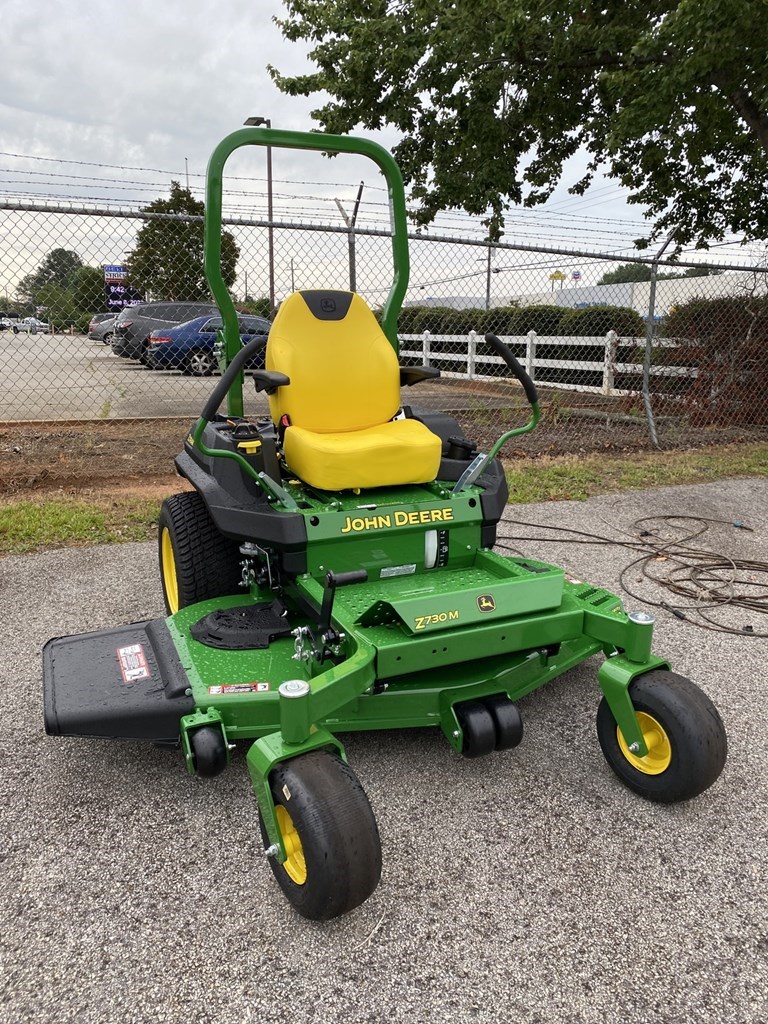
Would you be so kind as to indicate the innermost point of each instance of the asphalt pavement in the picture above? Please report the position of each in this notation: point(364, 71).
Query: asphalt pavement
point(525, 887)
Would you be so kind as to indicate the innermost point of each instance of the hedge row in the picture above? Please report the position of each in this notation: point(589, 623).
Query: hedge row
point(552, 321)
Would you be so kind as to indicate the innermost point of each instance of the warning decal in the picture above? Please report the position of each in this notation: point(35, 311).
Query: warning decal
point(133, 663)
point(227, 688)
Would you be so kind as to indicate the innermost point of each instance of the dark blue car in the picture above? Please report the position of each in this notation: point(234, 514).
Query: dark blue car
point(189, 347)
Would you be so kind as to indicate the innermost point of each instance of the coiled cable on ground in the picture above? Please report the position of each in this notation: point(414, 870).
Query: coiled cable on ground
point(700, 582)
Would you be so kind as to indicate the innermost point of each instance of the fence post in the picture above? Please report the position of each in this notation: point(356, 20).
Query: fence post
point(530, 354)
point(609, 361)
point(471, 354)
point(425, 349)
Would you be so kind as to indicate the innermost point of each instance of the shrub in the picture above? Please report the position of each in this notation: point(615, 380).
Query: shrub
point(596, 321)
point(545, 320)
point(726, 339)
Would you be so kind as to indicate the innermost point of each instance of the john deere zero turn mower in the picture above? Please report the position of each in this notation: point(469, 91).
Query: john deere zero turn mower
point(333, 570)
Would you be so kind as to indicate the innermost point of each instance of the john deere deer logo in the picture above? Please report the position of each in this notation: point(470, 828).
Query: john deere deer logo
point(486, 603)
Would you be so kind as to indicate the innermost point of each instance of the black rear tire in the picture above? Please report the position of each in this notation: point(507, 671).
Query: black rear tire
point(330, 834)
point(690, 746)
point(197, 562)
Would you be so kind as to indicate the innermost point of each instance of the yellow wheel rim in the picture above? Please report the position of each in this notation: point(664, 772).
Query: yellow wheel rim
point(659, 755)
point(294, 864)
point(168, 569)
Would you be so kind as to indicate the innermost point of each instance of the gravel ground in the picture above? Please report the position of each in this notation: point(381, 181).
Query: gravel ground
point(525, 887)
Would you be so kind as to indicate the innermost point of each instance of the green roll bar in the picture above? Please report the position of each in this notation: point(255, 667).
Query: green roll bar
point(297, 140)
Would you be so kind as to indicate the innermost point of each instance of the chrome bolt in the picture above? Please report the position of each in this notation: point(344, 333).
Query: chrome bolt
point(634, 747)
point(456, 734)
point(642, 618)
point(272, 851)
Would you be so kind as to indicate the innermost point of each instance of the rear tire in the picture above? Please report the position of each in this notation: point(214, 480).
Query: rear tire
point(197, 562)
point(107, 339)
point(330, 835)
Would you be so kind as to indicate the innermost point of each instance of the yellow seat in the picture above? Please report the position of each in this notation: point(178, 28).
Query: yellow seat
point(343, 394)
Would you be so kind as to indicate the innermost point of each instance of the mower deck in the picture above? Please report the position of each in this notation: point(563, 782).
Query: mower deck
point(407, 653)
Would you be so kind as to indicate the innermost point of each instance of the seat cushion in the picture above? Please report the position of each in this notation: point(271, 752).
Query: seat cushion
point(396, 452)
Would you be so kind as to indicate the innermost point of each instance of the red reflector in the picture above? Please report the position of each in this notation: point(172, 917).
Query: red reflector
point(158, 337)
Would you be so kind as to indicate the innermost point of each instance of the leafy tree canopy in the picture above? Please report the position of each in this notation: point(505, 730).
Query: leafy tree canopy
point(629, 272)
point(167, 262)
point(491, 97)
point(58, 268)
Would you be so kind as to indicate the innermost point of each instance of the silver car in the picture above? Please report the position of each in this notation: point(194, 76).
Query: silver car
point(30, 325)
point(102, 327)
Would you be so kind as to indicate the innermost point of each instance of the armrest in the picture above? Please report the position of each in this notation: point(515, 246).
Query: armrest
point(415, 374)
point(269, 380)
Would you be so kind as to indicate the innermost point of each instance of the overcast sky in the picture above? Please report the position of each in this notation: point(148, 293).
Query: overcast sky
point(142, 83)
point(149, 83)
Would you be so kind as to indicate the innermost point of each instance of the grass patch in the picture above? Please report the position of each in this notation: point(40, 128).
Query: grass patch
point(50, 522)
point(579, 477)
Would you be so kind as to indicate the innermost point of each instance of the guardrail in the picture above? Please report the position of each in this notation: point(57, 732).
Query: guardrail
point(481, 365)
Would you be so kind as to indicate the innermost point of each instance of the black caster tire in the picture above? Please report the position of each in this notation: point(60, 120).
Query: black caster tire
point(209, 751)
point(330, 835)
point(506, 721)
point(197, 562)
point(688, 745)
point(478, 728)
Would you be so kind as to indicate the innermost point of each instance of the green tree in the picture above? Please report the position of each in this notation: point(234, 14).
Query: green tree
point(88, 290)
point(167, 262)
point(58, 268)
point(256, 307)
point(629, 272)
point(668, 97)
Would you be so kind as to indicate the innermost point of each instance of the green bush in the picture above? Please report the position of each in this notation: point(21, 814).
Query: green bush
point(596, 321)
point(544, 320)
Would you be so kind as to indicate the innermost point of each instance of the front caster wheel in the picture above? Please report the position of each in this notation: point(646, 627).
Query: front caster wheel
point(329, 833)
point(687, 744)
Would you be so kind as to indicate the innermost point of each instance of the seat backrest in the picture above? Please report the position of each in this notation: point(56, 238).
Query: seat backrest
point(344, 373)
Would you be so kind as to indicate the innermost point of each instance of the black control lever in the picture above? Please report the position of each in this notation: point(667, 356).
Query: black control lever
point(332, 581)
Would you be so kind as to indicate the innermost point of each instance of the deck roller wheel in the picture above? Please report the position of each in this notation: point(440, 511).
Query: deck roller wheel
point(477, 725)
point(209, 751)
point(506, 720)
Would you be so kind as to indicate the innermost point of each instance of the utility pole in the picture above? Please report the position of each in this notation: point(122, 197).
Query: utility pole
point(350, 222)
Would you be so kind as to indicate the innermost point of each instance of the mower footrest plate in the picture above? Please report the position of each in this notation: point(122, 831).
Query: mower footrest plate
point(125, 683)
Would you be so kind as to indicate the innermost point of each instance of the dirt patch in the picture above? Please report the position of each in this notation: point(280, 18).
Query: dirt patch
point(136, 456)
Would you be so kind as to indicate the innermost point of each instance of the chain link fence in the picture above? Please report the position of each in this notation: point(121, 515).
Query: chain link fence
point(679, 359)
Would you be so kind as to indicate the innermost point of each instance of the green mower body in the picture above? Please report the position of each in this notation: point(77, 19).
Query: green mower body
point(299, 612)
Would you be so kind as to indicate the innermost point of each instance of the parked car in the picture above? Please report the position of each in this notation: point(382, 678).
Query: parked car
point(30, 325)
point(102, 327)
point(190, 346)
point(135, 323)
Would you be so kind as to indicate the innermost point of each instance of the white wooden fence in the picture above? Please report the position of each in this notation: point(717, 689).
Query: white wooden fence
point(483, 366)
